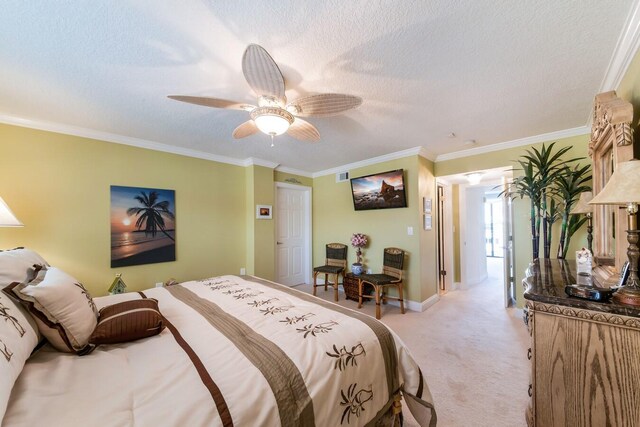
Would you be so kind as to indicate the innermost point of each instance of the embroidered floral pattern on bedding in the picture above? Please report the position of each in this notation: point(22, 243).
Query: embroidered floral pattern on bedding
point(8, 318)
point(4, 314)
point(88, 297)
point(345, 357)
point(5, 351)
point(321, 328)
point(354, 401)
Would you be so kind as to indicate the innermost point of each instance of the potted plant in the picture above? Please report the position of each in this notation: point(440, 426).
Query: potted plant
point(358, 241)
point(552, 186)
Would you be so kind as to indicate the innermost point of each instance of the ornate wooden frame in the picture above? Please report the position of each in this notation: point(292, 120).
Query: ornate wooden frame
point(611, 143)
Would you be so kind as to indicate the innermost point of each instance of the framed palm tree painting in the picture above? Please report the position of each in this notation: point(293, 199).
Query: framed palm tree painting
point(143, 226)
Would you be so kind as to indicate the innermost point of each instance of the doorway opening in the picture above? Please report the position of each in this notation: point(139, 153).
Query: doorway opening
point(482, 231)
point(493, 234)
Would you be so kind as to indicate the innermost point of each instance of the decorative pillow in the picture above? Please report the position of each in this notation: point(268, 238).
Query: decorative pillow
point(18, 338)
point(64, 311)
point(128, 321)
point(15, 265)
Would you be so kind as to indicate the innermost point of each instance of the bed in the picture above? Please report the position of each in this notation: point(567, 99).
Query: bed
point(236, 351)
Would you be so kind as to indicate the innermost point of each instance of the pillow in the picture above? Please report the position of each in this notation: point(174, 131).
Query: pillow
point(18, 338)
point(16, 263)
point(63, 309)
point(128, 321)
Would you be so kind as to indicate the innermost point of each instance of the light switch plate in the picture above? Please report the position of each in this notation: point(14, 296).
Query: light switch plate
point(243, 271)
point(410, 231)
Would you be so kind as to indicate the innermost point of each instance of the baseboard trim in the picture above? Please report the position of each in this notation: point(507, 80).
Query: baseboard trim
point(415, 305)
point(408, 304)
point(430, 301)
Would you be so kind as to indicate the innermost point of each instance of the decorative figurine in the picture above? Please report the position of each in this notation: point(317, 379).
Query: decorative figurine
point(118, 286)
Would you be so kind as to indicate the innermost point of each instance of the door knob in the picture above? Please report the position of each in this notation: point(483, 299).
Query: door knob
point(279, 243)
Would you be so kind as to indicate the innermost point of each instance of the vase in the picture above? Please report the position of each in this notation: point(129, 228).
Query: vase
point(357, 269)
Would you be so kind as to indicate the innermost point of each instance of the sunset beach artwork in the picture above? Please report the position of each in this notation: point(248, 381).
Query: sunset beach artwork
point(143, 227)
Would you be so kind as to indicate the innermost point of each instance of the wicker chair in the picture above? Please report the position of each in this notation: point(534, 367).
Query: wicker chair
point(391, 276)
point(335, 264)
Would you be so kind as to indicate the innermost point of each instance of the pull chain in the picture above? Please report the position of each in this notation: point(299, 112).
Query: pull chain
point(272, 140)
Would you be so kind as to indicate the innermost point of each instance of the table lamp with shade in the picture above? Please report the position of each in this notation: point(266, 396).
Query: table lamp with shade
point(583, 207)
point(7, 218)
point(623, 188)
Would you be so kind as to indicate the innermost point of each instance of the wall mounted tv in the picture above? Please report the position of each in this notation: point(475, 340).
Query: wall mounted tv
point(379, 191)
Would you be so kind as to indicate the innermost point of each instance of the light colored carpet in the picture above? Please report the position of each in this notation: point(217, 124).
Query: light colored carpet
point(471, 350)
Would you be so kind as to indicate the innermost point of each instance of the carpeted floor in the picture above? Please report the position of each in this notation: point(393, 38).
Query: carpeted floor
point(471, 350)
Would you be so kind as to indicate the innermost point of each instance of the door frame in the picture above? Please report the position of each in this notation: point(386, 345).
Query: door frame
point(306, 229)
point(509, 249)
point(448, 256)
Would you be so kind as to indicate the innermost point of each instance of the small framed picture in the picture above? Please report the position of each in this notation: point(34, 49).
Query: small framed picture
point(263, 211)
point(426, 204)
point(427, 222)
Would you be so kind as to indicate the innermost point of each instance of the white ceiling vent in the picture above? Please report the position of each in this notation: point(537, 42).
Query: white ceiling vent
point(342, 176)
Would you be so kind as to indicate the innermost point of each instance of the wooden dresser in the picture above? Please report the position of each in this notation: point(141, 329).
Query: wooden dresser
point(585, 356)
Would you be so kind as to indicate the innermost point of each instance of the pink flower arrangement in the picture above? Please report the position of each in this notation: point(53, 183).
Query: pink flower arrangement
point(359, 241)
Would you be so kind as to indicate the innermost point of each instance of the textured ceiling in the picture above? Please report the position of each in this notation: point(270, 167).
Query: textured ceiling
point(492, 71)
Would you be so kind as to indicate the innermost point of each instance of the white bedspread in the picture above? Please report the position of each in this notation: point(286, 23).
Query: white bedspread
point(238, 351)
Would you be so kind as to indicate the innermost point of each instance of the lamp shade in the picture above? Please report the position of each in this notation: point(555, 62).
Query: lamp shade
point(583, 206)
point(623, 186)
point(7, 218)
point(272, 120)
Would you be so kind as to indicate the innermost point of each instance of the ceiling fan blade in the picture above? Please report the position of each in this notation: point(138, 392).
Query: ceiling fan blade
point(323, 105)
point(246, 129)
point(303, 131)
point(262, 73)
point(213, 102)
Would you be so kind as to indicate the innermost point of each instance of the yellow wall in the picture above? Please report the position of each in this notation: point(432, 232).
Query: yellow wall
point(455, 211)
point(335, 220)
point(58, 186)
point(264, 242)
point(629, 89)
point(522, 231)
point(428, 238)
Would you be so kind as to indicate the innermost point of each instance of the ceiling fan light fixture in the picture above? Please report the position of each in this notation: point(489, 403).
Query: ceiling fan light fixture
point(272, 120)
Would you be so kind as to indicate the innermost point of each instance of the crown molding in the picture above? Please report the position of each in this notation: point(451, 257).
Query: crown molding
point(253, 161)
point(127, 140)
point(624, 52)
point(567, 133)
point(157, 146)
point(415, 151)
point(293, 171)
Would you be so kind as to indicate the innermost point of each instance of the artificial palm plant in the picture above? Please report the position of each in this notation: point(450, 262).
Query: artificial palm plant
point(548, 166)
point(570, 183)
point(552, 185)
point(527, 186)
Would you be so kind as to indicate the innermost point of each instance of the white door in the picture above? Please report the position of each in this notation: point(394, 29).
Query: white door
point(292, 234)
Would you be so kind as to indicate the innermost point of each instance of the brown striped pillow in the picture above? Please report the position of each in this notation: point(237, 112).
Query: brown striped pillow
point(127, 321)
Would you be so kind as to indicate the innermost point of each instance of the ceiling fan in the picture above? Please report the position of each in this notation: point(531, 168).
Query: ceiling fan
point(273, 115)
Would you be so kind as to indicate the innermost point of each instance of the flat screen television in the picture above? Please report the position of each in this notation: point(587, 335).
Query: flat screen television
point(379, 191)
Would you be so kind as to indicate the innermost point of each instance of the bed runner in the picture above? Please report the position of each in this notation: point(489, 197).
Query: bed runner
point(295, 406)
